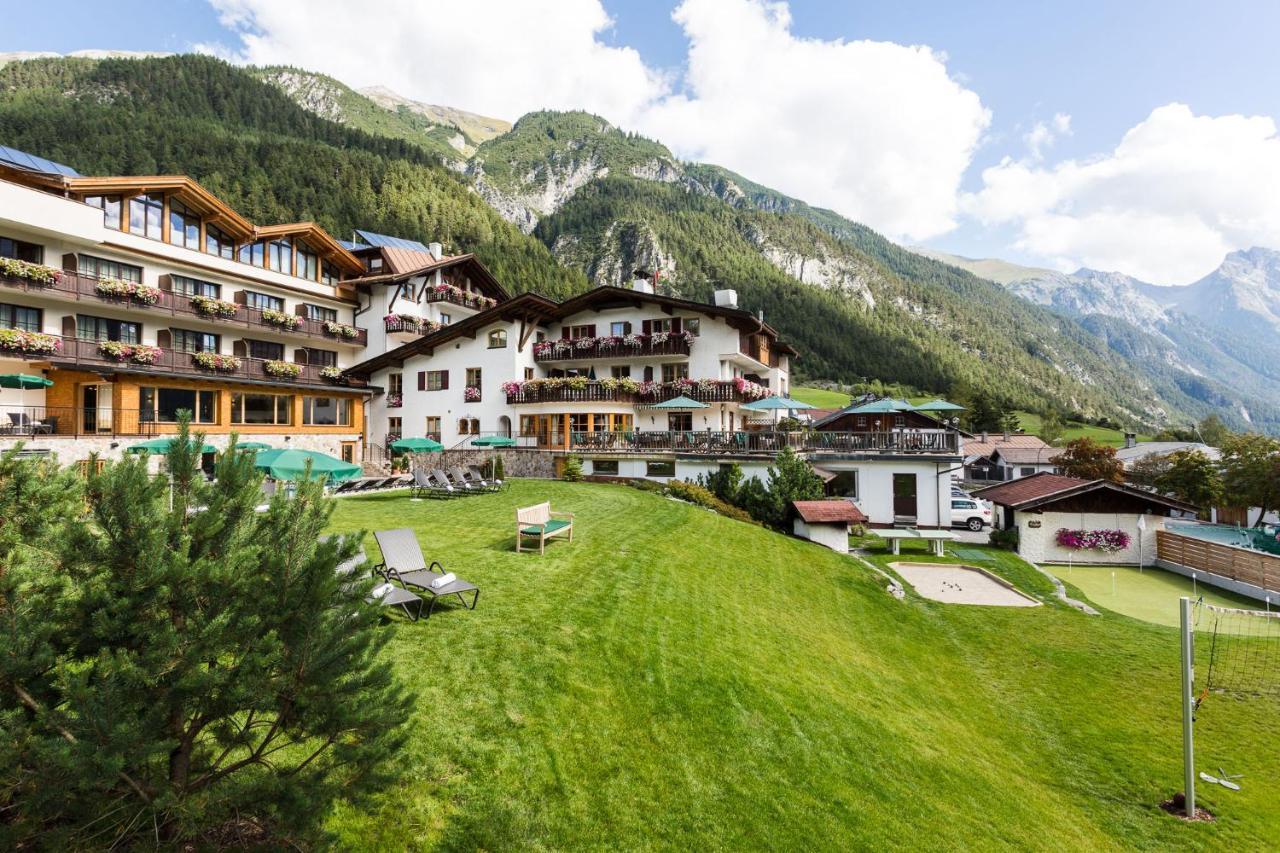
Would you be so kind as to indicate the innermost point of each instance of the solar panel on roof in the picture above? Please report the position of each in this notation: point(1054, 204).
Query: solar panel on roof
point(384, 241)
point(32, 163)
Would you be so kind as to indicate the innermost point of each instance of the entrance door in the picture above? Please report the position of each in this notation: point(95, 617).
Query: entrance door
point(96, 408)
point(904, 496)
point(348, 451)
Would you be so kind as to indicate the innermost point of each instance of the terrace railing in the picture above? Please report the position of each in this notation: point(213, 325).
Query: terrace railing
point(36, 422)
point(713, 442)
point(457, 296)
point(553, 391)
point(610, 347)
point(1238, 564)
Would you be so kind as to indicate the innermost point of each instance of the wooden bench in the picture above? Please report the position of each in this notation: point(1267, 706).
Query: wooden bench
point(541, 522)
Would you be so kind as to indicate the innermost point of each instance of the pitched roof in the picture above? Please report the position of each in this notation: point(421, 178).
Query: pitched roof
point(1143, 449)
point(829, 512)
point(1045, 488)
point(478, 271)
point(985, 447)
point(404, 260)
point(1025, 455)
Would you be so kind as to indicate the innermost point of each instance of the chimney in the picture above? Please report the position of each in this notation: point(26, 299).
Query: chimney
point(641, 283)
point(1130, 439)
point(436, 250)
point(984, 435)
point(726, 299)
point(1006, 435)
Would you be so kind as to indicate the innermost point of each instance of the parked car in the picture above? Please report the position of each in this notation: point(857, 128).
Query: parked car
point(970, 512)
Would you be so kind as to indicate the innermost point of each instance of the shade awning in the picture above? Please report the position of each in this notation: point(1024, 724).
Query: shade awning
point(23, 381)
point(158, 446)
point(253, 446)
point(939, 406)
point(680, 402)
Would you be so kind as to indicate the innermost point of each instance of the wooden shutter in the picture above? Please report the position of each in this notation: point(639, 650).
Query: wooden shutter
point(444, 380)
point(648, 373)
point(164, 339)
point(165, 282)
point(70, 262)
point(239, 298)
point(422, 380)
point(300, 309)
point(300, 357)
point(677, 325)
point(69, 327)
point(646, 327)
point(238, 349)
point(626, 327)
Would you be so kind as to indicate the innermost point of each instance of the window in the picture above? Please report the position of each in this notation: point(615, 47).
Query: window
point(395, 426)
point(1026, 472)
point(672, 372)
point(373, 263)
point(607, 467)
point(693, 326)
point(659, 468)
point(102, 268)
point(111, 207)
point(648, 373)
point(146, 215)
point(186, 341)
point(539, 337)
point(322, 314)
point(261, 408)
point(899, 420)
point(321, 357)
point(329, 273)
point(21, 250)
point(680, 421)
point(580, 422)
point(473, 377)
point(620, 371)
point(216, 242)
point(497, 339)
point(395, 384)
point(252, 254)
point(620, 329)
point(326, 411)
point(102, 329)
point(280, 255)
point(19, 317)
point(663, 325)
point(860, 420)
point(623, 423)
point(184, 286)
point(433, 380)
point(585, 331)
point(468, 426)
point(845, 484)
point(262, 301)
point(445, 319)
point(184, 225)
point(161, 405)
point(963, 505)
point(267, 350)
point(308, 262)
point(433, 428)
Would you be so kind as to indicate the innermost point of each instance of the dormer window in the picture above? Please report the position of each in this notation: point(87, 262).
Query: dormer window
point(184, 225)
point(146, 215)
point(373, 263)
point(280, 255)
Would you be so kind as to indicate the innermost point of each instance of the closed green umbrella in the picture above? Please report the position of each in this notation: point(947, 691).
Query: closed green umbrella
point(416, 445)
point(160, 446)
point(292, 464)
point(493, 441)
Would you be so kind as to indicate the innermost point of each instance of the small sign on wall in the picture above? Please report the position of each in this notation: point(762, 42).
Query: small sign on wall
point(1033, 523)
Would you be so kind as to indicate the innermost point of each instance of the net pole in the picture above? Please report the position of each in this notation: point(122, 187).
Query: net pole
point(1188, 707)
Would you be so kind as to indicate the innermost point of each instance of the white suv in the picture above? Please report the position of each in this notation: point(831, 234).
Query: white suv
point(970, 512)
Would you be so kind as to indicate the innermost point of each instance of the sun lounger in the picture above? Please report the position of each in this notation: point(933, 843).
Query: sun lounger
point(346, 486)
point(424, 485)
point(402, 561)
point(472, 482)
point(393, 596)
point(461, 488)
point(541, 522)
point(497, 485)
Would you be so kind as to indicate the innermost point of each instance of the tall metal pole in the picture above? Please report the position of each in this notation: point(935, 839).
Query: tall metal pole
point(1188, 708)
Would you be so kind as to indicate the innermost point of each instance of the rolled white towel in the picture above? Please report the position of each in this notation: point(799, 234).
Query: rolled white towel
point(444, 580)
point(381, 590)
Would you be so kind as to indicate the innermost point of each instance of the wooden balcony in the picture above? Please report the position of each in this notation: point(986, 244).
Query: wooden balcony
point(84, 288)
point(455, 296)
point(767, 443)
point(88, 355)
point(610, 347)
point(567, 391)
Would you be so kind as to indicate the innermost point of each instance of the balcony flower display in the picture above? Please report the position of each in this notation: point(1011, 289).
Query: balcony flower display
point(684, 384)
point(210, 307)
point(143, 354)
point(35, 273)
point(331, 374)
point(635, 341)
point(542, 347)
point(136, 353)
point(282, 369)
point(28, 343)
point(471, 394)
point(121, 289)
point(1107, 541)
point(577, 383)
point(280, 319)
point(659, 337)
point(341, 330)
point(750, 390)
point(402, 322)
point(395, 401)
point(648, 389)
point(214, 361)
point(609, 384)
point(627, 385)
point(584, 343)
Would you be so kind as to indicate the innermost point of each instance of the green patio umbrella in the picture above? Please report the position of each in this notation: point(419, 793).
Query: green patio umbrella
point(23, 381)
point(252, 446)
point(771, 404)
point(159, 446)
point(880, 407)
point(493, 441)
point(416, 445)
point(938, 406)
point(677, 403)
point(292, 464)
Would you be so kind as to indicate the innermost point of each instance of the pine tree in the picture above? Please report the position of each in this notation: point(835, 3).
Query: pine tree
point(167, 670)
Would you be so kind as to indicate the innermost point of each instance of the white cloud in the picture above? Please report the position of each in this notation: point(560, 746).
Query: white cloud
point(1176, 194)
point(1043, 134)
point(875, 130)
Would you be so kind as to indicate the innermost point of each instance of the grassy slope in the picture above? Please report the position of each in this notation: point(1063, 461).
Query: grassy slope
point(1030, 422)
point(820, 397)
point(676, 679)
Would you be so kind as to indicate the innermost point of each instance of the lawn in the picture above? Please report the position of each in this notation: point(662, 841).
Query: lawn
point(1150, 595)
point(1030, 422)
point(674, 679)
point(820, 397)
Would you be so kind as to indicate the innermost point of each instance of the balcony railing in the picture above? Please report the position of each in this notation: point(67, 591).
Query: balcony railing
point(81, 353)
point(458, 296)
point(623, 346)
point(81, 287)
point(636, 393)
point(29, 423)
point(766, 443)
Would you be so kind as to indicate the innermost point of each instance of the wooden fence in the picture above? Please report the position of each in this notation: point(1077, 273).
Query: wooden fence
point(1238, 564)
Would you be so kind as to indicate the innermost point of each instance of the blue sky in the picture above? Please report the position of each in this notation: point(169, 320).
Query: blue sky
point(1105, 65)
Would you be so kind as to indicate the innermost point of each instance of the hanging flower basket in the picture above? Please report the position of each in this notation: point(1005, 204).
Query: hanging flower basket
point(331, 374)
point(280, 319)
point(122, 352)
point(120, 289)
point(394, 401)
point(282, 369)
point(1107, 541)
point(210, 307)
point(511, 388)
point(215, 362)
point(28, 343)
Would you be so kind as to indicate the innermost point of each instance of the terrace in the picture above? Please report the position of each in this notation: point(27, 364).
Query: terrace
point(578, 390)
point(717, 443)
point(152, 299)
point(457, 296)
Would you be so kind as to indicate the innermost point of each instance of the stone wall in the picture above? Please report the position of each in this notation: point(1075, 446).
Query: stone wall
point(70, 450)
point(515, 463)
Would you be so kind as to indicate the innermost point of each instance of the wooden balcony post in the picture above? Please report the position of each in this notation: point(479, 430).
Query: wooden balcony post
point(564, 420)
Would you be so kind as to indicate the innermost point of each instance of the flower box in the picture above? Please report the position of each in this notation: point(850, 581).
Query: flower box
point(471, 394)
point(136, 353)
point(395, 401)
point(340, 330)
point(1107, 541)
point(331, 374)
point(119, 289)
point(34, 273)
point(282, 369)
point(28, 343)
point(214, 361)
point(210, 307)
point(280, 319)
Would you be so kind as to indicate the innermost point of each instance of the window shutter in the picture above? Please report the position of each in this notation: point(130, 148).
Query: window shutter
point(165, 282)
point(677, 325)
point(69, 327)
point(444, 380)
point(238, 349)
point(239, 298)
point(70, 263)
point(648, 373)
point(422, 380)
point(300, 309)
point(591, 330)
point(164, 339)
point(646, 327)
point(626, 327)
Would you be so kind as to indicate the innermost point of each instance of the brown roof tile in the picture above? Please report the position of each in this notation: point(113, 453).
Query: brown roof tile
point(837, 511)
point(1029, 488)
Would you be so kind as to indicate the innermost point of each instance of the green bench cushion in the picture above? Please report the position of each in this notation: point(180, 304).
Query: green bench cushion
point(548, 528)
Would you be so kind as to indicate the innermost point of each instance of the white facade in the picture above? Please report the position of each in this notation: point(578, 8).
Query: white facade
point(874, 491)
point(1037, 537)
point(832, 535)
